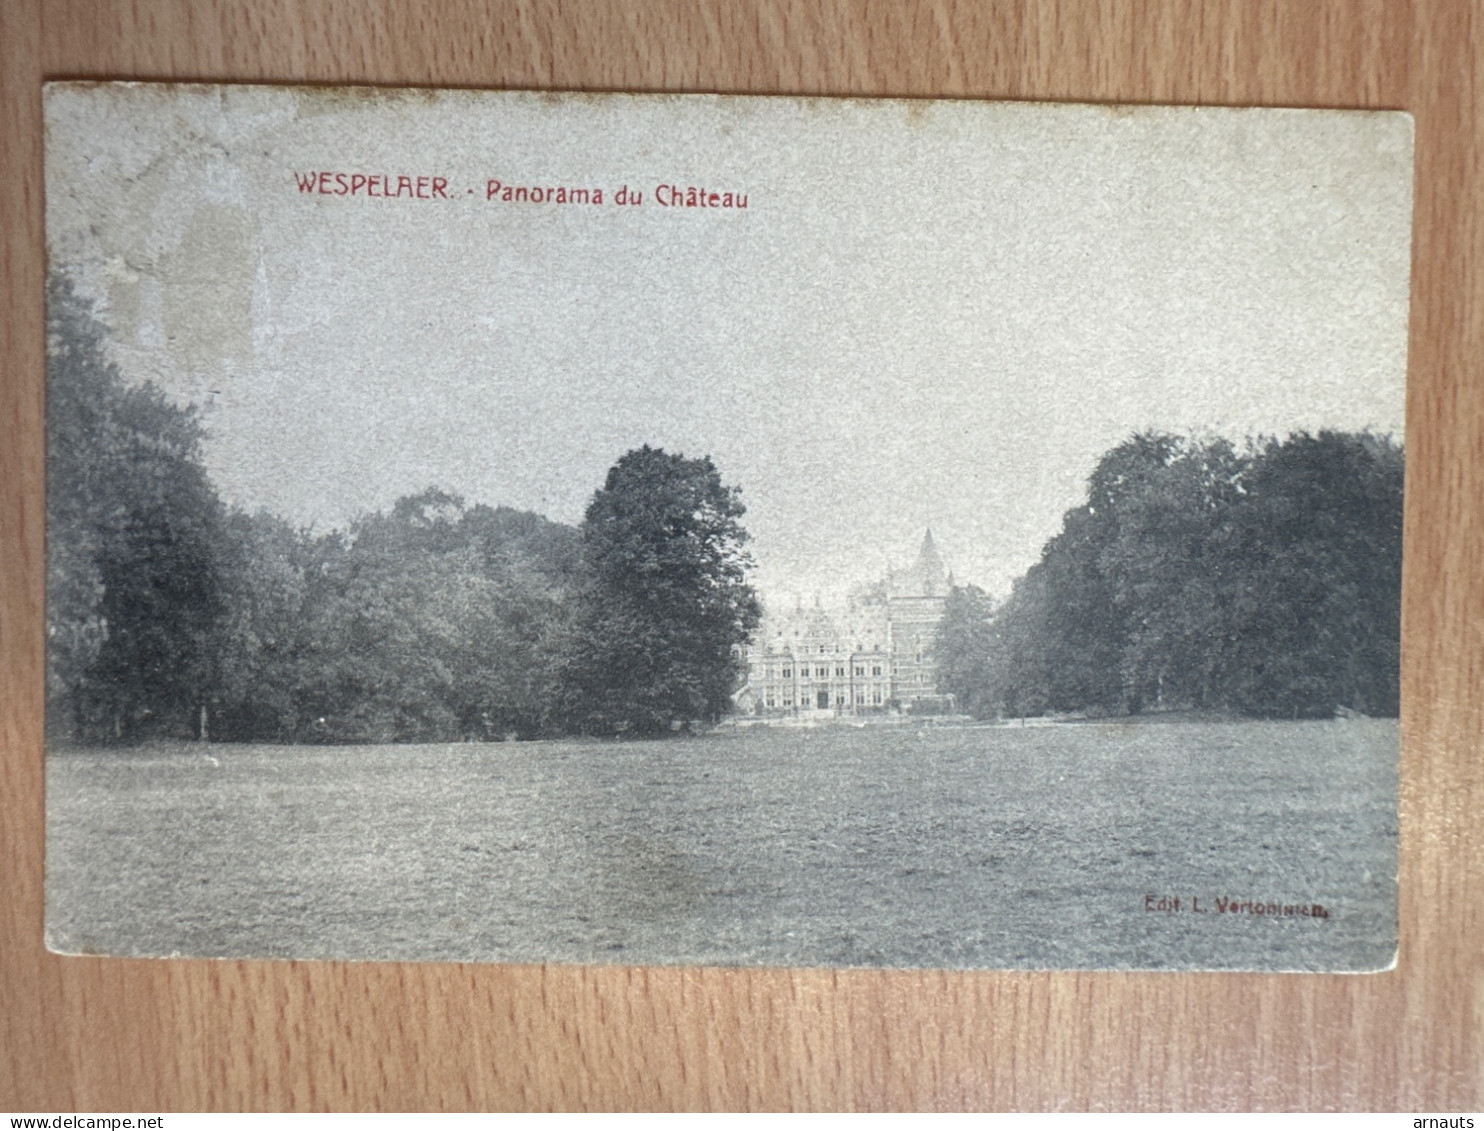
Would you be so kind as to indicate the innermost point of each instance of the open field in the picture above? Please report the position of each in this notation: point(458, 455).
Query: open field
point(941, 847)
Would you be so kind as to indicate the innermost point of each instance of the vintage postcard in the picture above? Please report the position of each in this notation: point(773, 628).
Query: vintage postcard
point(521, 527)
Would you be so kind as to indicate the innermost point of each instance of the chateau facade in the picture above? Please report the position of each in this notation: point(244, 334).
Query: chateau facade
point(872, 656)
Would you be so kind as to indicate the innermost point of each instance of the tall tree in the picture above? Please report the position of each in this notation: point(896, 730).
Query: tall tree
point(1315, 622)
point(666, 604)
point(963, 644)
point(133, 527)
point(1084, 631)
point(1017, 668)
point(269, 570)
point(1166, 504)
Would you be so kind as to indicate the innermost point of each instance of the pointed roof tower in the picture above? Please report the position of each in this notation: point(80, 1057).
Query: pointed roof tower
point(929, 551)
point(929, 568)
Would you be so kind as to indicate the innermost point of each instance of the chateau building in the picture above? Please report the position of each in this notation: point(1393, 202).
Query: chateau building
point(871, 656)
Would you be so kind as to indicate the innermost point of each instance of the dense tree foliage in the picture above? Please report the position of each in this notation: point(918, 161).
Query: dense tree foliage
point(132, 529)
point(432, 621)
point(1197, 576)
point(963, 648)
point(665, 603)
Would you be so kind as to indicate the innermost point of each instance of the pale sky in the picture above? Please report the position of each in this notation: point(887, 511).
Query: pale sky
point(929, 315)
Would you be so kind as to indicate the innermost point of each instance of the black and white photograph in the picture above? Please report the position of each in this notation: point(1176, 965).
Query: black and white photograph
point(723, 530)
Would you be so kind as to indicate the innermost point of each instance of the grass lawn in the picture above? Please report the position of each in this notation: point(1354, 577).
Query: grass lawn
point(838, 846)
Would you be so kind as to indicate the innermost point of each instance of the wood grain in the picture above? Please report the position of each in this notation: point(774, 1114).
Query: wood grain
point(103, 1034)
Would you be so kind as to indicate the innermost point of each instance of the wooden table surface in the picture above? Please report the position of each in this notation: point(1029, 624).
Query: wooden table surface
point(113, 1035)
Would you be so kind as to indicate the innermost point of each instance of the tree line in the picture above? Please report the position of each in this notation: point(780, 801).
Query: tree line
point(1262, 580)
point(172, 615)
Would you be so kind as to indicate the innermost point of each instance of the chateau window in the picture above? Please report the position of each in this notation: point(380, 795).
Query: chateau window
point(788, 673)
point(878, 698)
point(839, 700)
point(823, 649)
point(770, 701)
point(840, 671)
point(860, 698)
point(860, 670)
point(788, 700)
point(875, 669)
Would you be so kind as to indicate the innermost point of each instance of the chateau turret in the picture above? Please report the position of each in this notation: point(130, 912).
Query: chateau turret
point(926, 577)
